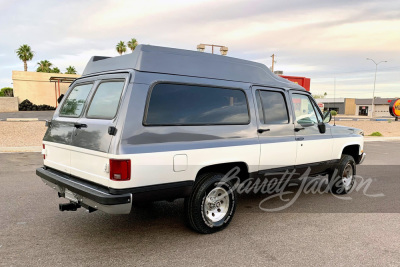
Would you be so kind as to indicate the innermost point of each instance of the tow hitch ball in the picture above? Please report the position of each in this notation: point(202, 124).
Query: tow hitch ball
point(69, 206)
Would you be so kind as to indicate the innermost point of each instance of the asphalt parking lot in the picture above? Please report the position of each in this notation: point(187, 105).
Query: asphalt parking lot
point(318, 229)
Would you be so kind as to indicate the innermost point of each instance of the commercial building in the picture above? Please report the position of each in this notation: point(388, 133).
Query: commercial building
point(381, 107)
point(344, 106)
point(358, 107)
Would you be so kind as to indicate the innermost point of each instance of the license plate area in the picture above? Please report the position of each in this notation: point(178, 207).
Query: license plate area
point(70, 195)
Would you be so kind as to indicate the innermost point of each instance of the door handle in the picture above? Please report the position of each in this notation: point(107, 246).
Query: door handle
point(80, 125)
point(263, 130)
point(299, 138)
point(298, 129)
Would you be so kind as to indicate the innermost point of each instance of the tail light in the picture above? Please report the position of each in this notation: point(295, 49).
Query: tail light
point(120, 169)
point(44, 152)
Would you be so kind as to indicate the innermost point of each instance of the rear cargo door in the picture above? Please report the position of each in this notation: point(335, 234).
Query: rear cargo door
point(58, 137)
point(95, 129)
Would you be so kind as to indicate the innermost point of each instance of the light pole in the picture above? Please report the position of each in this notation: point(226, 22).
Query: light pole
point(373, 93)
point(223, 49)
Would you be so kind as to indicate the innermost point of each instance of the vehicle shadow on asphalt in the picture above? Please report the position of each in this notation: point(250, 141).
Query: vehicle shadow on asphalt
point(165, 218)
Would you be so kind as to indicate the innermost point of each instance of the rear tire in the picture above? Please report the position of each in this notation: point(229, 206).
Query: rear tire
point(341, 179)
point(211, 205)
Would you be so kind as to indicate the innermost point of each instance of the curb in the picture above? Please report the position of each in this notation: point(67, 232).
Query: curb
point(20, 149)
point(382, 139)
point(22, 119)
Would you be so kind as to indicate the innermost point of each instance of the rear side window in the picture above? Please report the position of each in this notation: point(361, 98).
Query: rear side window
point(175, 104)
point(75, 101)
point(105, 101)
point(274, 108)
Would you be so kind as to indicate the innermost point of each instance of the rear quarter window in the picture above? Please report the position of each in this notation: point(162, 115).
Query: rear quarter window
point(179, 104)
point(75, 101)
point(105, 102)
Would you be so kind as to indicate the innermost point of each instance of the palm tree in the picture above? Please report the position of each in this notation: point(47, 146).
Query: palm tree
point(55, 70)
point(121, 47)
point(71, 70)
point(44, 66)
point(132, 44)
point(25, 54)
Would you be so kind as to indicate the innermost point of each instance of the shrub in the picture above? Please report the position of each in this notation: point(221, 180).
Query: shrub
point(27, 105)
point(333, 113)
point(6, 91)
point(376, 134)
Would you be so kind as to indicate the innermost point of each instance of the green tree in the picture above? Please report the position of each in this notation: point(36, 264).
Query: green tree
point(132, 44)
point(121, 47)
point(25, 53)
point(6, 91)
point(44, 66)
point(70, 70)
point(320, 96)
point(55, 70)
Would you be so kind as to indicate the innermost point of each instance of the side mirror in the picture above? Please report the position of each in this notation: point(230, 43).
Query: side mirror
point(327, 117)
point(60, 98)
point(322, 127)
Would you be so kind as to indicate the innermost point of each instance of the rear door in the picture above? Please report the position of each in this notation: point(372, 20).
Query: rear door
point(275, 132)
point(95, 129)
point(58, 137)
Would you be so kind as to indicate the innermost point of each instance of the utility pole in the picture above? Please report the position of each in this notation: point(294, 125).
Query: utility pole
point(334, 99)
point(273, 61)
point(373, 92)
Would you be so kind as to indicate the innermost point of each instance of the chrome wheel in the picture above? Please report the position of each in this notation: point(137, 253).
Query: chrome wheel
point(216, 204)
point(347, 177)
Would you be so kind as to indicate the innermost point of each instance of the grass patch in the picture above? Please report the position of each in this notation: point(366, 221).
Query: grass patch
point(376, 134)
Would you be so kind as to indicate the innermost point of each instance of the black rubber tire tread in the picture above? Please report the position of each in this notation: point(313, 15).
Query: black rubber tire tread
point(335, 183)
point(193, 214)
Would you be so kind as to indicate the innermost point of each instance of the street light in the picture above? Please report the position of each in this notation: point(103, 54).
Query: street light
point(373, 93)
point(223, 49)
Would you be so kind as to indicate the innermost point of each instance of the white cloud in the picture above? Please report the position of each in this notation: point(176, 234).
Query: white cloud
point(317, 39)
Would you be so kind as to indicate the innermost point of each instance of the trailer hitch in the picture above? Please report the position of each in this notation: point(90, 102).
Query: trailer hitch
point(69, 206)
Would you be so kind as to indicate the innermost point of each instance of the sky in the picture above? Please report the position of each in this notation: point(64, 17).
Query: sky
point(325, 40)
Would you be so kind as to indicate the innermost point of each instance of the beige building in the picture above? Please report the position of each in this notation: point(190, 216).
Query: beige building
point(37, 87)
point(345, 106)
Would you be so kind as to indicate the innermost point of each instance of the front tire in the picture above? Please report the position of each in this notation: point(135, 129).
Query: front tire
point(341, 179)
point(211, 205)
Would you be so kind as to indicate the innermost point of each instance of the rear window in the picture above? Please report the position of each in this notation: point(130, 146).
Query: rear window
point(75, 101)
point(176, 104)
point(105, 101)
point(274, 110)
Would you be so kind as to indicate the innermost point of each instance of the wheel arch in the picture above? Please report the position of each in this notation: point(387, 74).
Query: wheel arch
point(352, 150)
point(225, 168)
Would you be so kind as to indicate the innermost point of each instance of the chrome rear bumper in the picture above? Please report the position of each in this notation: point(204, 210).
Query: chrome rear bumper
point(85, 194)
